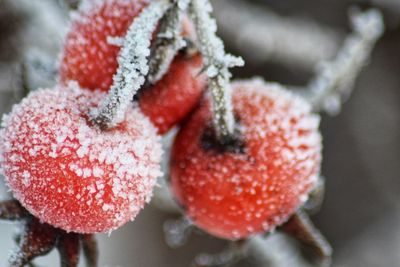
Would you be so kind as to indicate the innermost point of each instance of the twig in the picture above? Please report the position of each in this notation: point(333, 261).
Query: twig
point(133, 65)
point(217, 67)
point(335, 80)
point(169, 41)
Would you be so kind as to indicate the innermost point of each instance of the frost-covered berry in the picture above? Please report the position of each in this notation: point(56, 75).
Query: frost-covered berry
point(172, 98)
point(258, 180)
point(69, 173)
point(88, 57)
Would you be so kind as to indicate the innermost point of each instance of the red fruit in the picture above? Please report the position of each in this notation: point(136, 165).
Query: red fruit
point(70, 174)
point(257, 182)
point(87, 57)
point(175, 95)
point(91, 61)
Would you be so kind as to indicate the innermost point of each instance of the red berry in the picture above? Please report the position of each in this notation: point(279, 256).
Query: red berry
point(88, 58)
point(70, 174)
point(257, 182)
point(175, 95)
point(91, 61)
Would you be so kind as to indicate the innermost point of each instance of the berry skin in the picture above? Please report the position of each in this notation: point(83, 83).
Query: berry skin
point(87, 57)
point(175, 95)
point(91, 61)
point(256, 183)
point(70, 174)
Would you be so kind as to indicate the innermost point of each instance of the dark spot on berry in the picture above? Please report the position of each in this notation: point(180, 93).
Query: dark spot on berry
point(235, 144)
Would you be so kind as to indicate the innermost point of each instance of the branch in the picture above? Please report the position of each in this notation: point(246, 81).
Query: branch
point(335, 80)
point(169, 41)
point(217, 67)
point(133, 65)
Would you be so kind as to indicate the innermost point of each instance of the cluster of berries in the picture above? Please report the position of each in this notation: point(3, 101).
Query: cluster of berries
point(75, 176)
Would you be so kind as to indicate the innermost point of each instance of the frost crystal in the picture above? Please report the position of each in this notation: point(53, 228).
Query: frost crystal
point(336, 79)
point(133, 66)
point(217, 64)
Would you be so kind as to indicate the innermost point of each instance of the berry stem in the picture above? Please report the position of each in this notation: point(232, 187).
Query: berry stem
point(169, 40)
point(217, 64)
point(336, 79)
point(133, 65)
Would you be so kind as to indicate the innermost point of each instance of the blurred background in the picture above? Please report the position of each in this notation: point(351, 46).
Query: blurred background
point(282, 41)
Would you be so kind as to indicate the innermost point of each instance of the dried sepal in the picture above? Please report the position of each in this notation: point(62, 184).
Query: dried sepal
point(300, 227)
point(36, 239)
point(90, 250)
point(12, 210)
point(69, 247)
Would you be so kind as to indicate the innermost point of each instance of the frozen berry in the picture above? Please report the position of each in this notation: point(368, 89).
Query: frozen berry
point(256, 181)
point(91, 60)
point(175, 95)
point(88, 57)
point(70, 174)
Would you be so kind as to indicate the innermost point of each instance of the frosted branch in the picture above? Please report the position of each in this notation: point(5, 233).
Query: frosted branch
point(217, 64)
point(335, 80)
point(169, 40)
point(133, 66)
point(260, 35)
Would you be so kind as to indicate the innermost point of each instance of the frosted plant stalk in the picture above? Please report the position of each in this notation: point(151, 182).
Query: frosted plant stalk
point(335, 80)
point(133, 68)
point(217, 65)
point(169, 40)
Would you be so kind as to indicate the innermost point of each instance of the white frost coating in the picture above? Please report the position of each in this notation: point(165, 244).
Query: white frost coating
point(133, 66)
point(335, 80)
point(217, 64)
point(169, 41)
